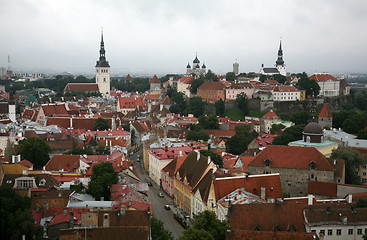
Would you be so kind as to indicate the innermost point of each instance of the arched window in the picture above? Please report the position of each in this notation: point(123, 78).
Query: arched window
point(312, 165)
point(308, 139)
point(267, 163)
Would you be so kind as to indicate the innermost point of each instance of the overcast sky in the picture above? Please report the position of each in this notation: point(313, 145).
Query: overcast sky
point(162, 36)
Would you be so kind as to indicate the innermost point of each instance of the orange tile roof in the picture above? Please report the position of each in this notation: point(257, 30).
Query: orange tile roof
point(52, 109)
point(235, 234)
point(325, 112)
point(81, 87)
point(323, 188)
point(292, 157)
point(267, 217)
point(167, 101)
point(186, 80)
point(252, 184)
point(208, 85)
point(131, 102)
point(221, 133)
point(155, 79)
point(322, 77)
point(270, 116)
point(66, 162)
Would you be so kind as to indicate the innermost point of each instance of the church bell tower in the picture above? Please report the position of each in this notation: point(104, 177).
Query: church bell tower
point(279, 64)
point(103, 71)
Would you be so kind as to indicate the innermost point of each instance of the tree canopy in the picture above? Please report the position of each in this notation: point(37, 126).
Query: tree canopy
point(220, 107)
point(35, 150)
point(239, 142)
point(209, 122)
point(276, 128)
point(158, 230)
point(290, 134)
point(196, 107)
point(103, 176)
point(16, 217)
point(311, 86)
point(210, 76)
point(215, 157)
point(242, 103)
point(101, 124)
point(195, 84)
point(230, 76)
point(206, 226)
point(353, 160)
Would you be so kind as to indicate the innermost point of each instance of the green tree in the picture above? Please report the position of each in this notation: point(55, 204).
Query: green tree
point(276, 128)
point(362, 134)
point(30, 99)
point(197, 135)
point(220, 107)
point(208, 222)
point(35, 150)
point(158, 231)
point(16, 217)
point(311, 86)
point(209, 122)
point(195, 84)
point(239, 142)
point(196, 234)
point(211, 76)
point(230, 76)
point(280, 78)
point(353, 160)
point(101, 124)
point(103, 176)
point(290, 134)
point(196, 107)
point(9, 150)
point(242, 103)
point(353, 124)
point(215, 157)
point(300, 117)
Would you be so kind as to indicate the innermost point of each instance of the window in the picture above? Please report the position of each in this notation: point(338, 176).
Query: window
point(350, 231)
point(330, 232)
point(338, 232)
point(267, 163)
point(313, 231)
point(312, 165)
point(359, 231)
point(322, 232)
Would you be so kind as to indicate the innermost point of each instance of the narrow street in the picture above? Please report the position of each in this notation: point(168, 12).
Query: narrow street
point(166, 216)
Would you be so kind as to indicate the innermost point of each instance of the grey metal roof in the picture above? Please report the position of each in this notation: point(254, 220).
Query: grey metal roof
point(270, 70)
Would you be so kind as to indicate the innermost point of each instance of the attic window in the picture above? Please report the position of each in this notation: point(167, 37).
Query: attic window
point(267, 163)
point(312, 165)
point(42, 182)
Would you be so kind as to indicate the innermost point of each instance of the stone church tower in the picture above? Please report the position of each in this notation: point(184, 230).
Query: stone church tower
point(103, 72)
point(279, 64)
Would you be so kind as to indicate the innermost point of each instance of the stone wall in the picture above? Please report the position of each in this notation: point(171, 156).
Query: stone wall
point(295, 181)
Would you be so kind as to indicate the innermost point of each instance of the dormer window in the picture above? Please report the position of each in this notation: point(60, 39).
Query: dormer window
point(42, 182)
point(267, 163)
point(312, 165)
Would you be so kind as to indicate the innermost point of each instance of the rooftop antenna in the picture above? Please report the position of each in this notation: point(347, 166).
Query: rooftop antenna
point(9, 67)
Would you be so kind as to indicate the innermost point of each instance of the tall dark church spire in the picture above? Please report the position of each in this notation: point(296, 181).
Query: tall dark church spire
point(102, 58)
point(280, 60)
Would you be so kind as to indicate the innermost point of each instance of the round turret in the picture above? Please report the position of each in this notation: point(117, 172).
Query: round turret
point(313, 133)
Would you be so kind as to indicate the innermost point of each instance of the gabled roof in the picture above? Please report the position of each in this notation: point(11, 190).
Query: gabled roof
point(167, 101)
point(128, 78)
point(291, 157)
point(267, 217)
point(155, 79)
point(173, 166)
point(269, 235)
point(204, 186)
point(26, 163)
point(322, 77)
point(193, 169)
point(131, 102)
point(270, 116)
point(186, 80)
point(81, 87)
point(53, 109)
point(208, 85)
point(66, 162)
point(285, 88)
point(252, 184)
point(325, 112)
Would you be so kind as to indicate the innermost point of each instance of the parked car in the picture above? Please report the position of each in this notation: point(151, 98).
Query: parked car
point(160, 195)
point(167, 207)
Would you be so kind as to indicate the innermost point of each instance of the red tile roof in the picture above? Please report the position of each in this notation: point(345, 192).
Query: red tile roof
point(81, 87)
point(50, 110)
point(26, 163)
point(66, 162)
point(252, 184)
point(131, 102)
point(128, 78)
point(323, 188)
point(322, 77)
point(270, 116)
point(285, 88)
point(152, 97)
point(167, 101)
point(292, 157)
point(78, 123)
point(208, 85)
point(61, 218)
point(221, 133)
point(186, 80)
point(267, 217)
point(155, 79)
point(269, 235)
point(325, 112)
